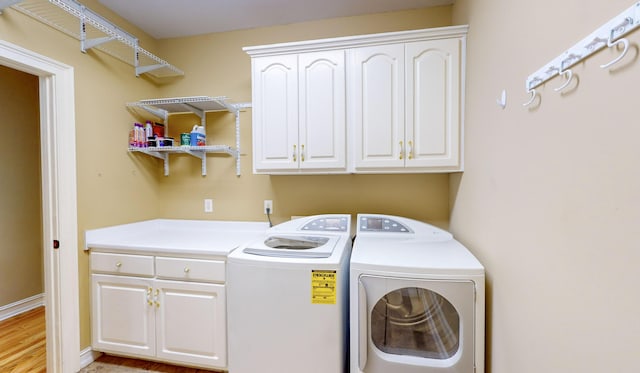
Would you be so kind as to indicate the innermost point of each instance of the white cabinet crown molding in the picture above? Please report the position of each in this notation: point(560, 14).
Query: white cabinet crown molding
point(357, 41)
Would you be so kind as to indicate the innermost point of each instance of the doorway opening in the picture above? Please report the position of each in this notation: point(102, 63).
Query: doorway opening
point(59, 205)
point(21, 252)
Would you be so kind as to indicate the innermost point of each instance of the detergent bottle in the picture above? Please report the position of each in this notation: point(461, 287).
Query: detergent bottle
point(198, 137)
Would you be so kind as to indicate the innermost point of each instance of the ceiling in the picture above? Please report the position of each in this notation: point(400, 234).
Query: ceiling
point(175, 18)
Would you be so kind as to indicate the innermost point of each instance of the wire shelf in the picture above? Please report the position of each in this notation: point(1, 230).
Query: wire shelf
point(93, 31)
point(187, 104)
point(199, 105)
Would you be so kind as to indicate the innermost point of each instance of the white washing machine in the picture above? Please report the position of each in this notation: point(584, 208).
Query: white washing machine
point(416, 300)
point(287, 298)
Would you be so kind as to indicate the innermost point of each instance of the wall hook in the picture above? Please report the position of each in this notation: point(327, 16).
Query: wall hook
point(533, 94)
point(568, 74)
point(610, 43)
point(502, 101)
point(625, 42)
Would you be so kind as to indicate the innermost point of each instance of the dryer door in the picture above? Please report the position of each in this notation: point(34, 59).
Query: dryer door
point(408, 325)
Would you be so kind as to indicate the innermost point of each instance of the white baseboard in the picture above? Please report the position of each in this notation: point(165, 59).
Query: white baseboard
point(21, 306)
point(88, 356)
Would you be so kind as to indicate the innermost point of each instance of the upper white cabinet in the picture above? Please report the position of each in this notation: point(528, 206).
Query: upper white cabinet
point(377, 99)
point(275, 117)
point(406, 101)
point(382, 103)
point(299, 112)
point(322, 110)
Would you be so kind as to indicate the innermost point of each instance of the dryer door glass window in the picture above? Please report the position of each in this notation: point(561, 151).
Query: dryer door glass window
point(417, 322)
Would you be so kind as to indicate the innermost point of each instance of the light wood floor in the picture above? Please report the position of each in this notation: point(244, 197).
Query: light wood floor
point(23, 350)
point(23, 343)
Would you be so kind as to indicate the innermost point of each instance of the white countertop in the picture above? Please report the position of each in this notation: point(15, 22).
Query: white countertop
point(176, 237)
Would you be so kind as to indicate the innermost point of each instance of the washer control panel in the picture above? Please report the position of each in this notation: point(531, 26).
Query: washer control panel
point(330, 224)
point(381, 224)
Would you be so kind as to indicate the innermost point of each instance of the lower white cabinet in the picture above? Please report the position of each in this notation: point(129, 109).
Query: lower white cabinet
point(123, 315)
point(177, 321)
point(191, 323)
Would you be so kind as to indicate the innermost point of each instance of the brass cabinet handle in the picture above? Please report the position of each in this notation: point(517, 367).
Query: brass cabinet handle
point(149, 301)
point(186, 269)
point(118, 264)
point(302, 153)
point(401, 151)
point(156, 297)
point(410, 151)
point(295, 155)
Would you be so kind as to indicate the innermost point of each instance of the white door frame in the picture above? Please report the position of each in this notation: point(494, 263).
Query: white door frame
point(59, 205)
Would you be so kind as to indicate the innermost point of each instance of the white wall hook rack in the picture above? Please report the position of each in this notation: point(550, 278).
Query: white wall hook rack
point(608, 35)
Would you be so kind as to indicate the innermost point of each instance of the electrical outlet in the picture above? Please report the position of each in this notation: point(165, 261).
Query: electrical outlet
point(208, 205)
point(268, 204)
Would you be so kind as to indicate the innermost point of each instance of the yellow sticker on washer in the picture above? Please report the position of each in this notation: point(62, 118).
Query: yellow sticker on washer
point(323, 287)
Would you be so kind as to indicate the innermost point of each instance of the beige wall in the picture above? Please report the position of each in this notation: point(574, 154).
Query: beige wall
point(21, 271)
point(113, 186)
point(549, 198)
point(215, 65)
point(116, 187)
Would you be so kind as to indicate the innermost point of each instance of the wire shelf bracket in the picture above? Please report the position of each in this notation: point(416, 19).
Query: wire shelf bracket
point(94, 31)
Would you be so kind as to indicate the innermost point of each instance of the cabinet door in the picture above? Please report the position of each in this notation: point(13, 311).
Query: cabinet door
point(322, 130)
point(123, 315)
point(191, 323)
point(433, 103)
point(377, 101)
point(275, 114)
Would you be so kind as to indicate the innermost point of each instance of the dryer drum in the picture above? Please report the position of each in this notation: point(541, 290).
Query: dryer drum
point(415, 321)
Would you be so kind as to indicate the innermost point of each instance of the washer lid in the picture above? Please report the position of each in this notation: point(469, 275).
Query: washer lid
point(294, 246)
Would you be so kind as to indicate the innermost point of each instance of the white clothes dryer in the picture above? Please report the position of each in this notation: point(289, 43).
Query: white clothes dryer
point(416, 300)
point(288, 299)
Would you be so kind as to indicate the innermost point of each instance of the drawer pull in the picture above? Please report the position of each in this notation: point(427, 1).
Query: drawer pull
point(149, 297)
point(118, 264)
point(186, 270)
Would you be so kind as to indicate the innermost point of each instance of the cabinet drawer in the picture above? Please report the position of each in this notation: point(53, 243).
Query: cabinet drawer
point(190, 269)
point(123, 264)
